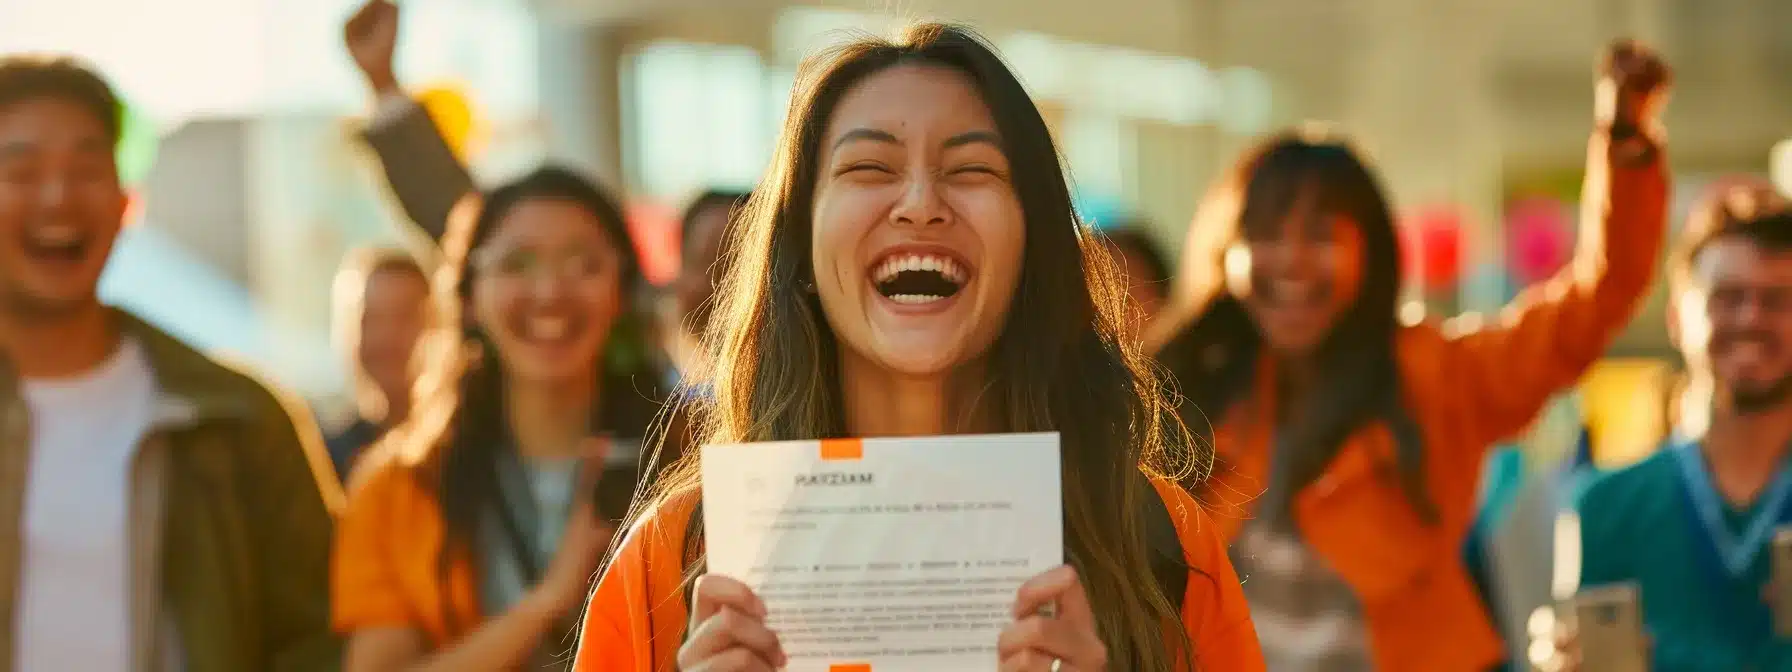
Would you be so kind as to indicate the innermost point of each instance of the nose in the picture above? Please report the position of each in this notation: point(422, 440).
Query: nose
point(1747, 313)
point(53, 193)
point(547, 284)
point(921, 205)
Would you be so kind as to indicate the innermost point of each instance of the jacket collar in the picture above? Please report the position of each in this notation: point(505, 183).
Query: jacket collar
point(191, 388)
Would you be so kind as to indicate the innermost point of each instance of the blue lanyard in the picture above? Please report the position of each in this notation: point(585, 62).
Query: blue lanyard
point(1732, 554)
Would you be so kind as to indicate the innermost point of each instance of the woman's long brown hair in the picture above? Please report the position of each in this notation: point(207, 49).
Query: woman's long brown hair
point(1060, 364)
point(1213, 347)
point(459, 430)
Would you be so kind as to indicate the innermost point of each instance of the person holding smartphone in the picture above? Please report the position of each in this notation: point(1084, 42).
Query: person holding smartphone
point(1690, 528)
point(473, 529)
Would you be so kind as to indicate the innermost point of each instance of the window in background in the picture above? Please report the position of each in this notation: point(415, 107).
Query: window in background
point(801, 31)
point(1102, 152)
point(696, 116)
point(1139, 85)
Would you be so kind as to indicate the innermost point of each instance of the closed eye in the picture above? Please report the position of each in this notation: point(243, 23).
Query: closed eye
point(863, 167)
point(976, 171)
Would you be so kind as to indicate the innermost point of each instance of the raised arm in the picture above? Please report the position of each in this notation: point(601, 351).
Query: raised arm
point(423, 172)
point(1550, 334)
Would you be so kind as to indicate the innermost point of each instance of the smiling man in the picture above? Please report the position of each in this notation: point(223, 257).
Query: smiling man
point(1691, 526)
point(157, 510)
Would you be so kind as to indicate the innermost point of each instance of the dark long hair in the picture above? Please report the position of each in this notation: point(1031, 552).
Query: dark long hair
point(461, 429)
point(1059, 364)
point(1214, 347)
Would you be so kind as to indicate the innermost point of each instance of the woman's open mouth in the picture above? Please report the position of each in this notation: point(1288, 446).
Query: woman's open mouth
point(548, 329)
point(919, 278)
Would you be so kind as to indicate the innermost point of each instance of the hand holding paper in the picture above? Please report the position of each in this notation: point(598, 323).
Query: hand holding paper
point(727, 630)
point(1053, 623)
point(891, 554)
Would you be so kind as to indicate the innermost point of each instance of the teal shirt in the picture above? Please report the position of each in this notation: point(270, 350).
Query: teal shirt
point(1635, 528)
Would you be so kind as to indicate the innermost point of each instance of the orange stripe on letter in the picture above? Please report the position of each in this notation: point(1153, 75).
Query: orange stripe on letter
point(842, 449)
point(850, 667)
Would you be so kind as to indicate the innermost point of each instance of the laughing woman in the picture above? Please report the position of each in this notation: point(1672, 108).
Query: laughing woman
point(472, 531)
point(1365, 438)
point(928, 150)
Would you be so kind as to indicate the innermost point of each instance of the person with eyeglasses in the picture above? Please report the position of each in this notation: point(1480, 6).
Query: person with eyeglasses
point(472, 528)
point(1691, 526)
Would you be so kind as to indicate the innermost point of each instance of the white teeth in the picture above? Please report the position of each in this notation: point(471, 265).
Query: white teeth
point(55, 235)
point(913, 299)
point(547, 328)
point(942, 265)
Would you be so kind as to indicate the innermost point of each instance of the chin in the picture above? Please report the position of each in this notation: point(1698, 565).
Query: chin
point(1292, 347)
point(916, 364)
point(546, 368)
point(51, 302)
point(916, 358)
point(541, 374)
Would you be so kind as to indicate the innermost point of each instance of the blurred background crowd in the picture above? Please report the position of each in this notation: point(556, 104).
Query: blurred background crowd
point(250, 183)
point(272, 193)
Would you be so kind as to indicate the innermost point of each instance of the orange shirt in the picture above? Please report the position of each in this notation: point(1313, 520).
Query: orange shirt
point(1466, 390)
point(387, 569)
point(636, 619)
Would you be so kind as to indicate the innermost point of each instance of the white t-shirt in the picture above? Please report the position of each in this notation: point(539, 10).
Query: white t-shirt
point(73, 609)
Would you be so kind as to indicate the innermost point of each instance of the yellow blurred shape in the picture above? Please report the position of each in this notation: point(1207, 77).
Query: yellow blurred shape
point(1626, 402)
point(452, 111)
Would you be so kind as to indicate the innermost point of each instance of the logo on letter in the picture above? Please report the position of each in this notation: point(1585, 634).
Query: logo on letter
point(833, 478)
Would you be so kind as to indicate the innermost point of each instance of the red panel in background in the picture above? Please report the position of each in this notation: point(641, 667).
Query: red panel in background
point(655, 229)
point(1431, 245)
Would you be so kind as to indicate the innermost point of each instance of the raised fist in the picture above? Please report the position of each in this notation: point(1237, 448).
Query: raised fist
point(371, 36)
point(1633, 84)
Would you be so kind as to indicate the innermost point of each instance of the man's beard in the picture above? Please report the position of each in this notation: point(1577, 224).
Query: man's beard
point(1760, 399)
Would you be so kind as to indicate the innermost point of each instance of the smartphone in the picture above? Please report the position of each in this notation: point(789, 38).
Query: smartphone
point(1782, 581)
point(1609, 622)
point(615, 491)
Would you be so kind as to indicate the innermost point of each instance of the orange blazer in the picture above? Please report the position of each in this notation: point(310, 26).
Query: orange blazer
point(387, 568)
point(1467, 388)
point(636, 618)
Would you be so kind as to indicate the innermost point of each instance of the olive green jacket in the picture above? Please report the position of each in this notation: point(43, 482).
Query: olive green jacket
point(231, 495)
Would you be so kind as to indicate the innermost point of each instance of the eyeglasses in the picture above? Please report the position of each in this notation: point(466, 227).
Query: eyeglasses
point(1767, 299)
point(573, 265)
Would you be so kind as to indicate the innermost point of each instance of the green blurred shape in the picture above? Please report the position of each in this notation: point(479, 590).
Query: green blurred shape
point(137, 140)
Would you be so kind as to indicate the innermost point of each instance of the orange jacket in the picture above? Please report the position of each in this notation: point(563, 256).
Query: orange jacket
point(1466, 388)
point(387, 567)
point(636, 619)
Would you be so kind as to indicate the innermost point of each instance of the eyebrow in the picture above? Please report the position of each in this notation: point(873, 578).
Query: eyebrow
point(960, 140)
point(871, 134)
point(974, 137)
point(17, 148)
